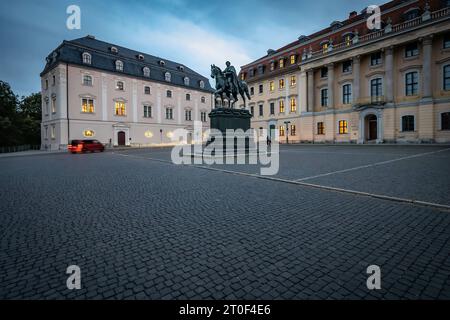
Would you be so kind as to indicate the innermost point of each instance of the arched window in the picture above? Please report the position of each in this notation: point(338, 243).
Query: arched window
point(202, 84)
point(119, 65)
point(146, 71)
point(87, 80)
point(203, 99)
point(168, 76)
point(186, 81)
point(87, 58)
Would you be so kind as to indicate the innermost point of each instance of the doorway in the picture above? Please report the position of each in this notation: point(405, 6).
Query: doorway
point(121, 138)
point(371, 122)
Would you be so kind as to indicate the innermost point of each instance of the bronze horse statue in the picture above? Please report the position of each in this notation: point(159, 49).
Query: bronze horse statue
point(223, 88)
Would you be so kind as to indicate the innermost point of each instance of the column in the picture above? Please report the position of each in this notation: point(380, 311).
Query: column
point(104, 97)
point(310, 75)
point(426, 76)
point(134, 101)
point(389, 72)
point(356, 79)
point(331, 85)
point(158, 103)
point(302, 92)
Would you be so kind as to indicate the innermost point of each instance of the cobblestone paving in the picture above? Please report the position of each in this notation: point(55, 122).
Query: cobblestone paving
point(148, 230)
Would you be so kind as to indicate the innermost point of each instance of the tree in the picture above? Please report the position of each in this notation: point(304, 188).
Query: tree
point(9, 133)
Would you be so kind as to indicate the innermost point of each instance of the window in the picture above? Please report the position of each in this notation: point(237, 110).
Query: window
point(169, 94)
point(271, 86)
point(375, 59)
point(53, 132)
point(293, 58)
point(188, 115)
point(147, 90)
point(293, 130)
point(252, 91)
point(261, 88)
point(343, 127)
point(46, 106)
point(411, 50)
point(46, 84)
point(186, 81)
point(411, 14)
point(140, 57)
point(447, 41)
point(281, 106)
point(202, 84)
point(87, 59)
point(87, 80)
point(46, 132)
point(272, 66)
point(53, 80)
point(272, 108)
point(320, 128)
point(347, 66)
point(203, 100)
point(119, 85)
point(347, 94)
point(120, 109)
point(281, 63)
point(147, 111)
point(447, 77)
point(348, 39)
point(252, 110)
point(203, 116)
point(445, 121)
point(407, 123)
point(88, 133)
point(281, 131)
point(119, 65)
point(324, 97)
point(146, 71)
point(281, 83)
point(54, 105)
point(411, 84)
point(324, 72)
point(261, 110)
point(114, 50)
point(376, 89)
point(293, 81)
point(188, 97)
point(293, 105)
point(169, 113)
point(87, 105)
point(325, 47)
point(168, 76)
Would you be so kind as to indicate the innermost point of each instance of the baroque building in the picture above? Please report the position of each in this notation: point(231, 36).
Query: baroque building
point(356, 82)
point(96, 90)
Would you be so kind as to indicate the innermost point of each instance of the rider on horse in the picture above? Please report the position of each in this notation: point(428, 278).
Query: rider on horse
point(232, 78)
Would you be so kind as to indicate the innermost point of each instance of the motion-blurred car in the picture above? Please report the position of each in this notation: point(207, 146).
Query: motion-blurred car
point(85, 145)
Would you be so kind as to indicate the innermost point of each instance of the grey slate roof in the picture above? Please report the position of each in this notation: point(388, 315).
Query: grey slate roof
point(103, 59)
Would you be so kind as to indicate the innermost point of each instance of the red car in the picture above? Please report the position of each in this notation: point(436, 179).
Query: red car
point(85, 145)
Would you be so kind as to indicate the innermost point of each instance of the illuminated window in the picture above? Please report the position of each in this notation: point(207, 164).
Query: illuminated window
point(281, 131)
point(87, 59)
point(343, 127)
point(119, 85)
point(53, 104)
point(281, 106)
point(281, 63)
point(147, 111)
point(272, 86)
point(87, 80)
point(272, 66)
point(147, 90)
point(120, 109)
point(320, 128)
point(324, 97)
point(87, 105)
point(169, 113)
point(293, 105)
point(325, 47)
point(411, 83)
point(281, 83)
point(346, 94)
point(293, 130)
point(293, 59)
point(88, 133)
point(293, 81)
point(243, 76)
point(348, 40)
point(119, 65)
point(188, 115)
point(408, 123)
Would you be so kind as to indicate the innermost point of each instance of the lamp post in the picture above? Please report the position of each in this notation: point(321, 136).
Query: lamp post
point(287, 131)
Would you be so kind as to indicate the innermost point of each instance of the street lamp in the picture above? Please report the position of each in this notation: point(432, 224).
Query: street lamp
point(287, 131)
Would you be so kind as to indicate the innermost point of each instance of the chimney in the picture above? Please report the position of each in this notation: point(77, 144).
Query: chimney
point(352, 14)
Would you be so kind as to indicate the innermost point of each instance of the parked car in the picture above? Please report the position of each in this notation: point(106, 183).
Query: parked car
point(85, 145)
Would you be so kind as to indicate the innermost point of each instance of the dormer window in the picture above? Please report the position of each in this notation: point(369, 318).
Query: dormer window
point(272, 65)
point(119, 65)
point(168, 76)
point(243, 76)
point(325, 46)
point(348, 38)
point(336, 25)
point(293, 58)
point(146, 71)
point(186, 81)
point(181, 68)
point(251, 72)
point(411, 14)
point(140, 57)
point(261, 69)
point(114, 50)
point(162, 63)
point(202, 84)
point(281, 63)
point(87, 58)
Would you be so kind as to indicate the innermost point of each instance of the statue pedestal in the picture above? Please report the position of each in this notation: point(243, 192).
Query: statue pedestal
point(224, 119)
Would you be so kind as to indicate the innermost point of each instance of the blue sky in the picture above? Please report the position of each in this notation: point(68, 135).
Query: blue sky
point(195, 33)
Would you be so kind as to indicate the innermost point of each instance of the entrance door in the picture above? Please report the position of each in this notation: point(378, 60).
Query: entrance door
point(372, 127)
point(121, 138)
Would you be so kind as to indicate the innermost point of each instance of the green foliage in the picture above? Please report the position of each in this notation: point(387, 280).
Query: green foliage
point(19, 118)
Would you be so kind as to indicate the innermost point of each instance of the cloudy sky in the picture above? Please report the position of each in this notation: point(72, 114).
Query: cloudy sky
point(196, 33)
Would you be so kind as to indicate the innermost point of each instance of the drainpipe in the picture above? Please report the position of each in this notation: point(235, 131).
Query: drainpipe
point(67, 103)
